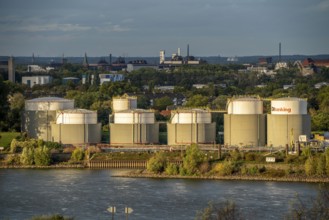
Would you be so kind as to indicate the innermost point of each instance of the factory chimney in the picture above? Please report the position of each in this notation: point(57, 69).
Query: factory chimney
point(188, 52)
point(280, 52)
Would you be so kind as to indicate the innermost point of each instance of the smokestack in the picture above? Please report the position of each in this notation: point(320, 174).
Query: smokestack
point(188, 52)
point(110, 59)
point(280, 52)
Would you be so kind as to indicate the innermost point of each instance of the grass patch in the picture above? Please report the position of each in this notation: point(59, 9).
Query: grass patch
point(7, 137)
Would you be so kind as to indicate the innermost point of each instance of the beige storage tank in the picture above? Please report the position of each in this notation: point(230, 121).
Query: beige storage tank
point(244, 125)
point(135, 126)
point(191, 126)
point(40, 113)
point(124, 103)
point(76, 126)
point(287, 121)
point(76, 116)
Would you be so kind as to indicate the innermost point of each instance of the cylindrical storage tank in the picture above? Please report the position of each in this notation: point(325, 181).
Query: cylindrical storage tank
point(289, 106)
point(191, 116)
point(191, 126)
point(48, 104)
point(289, 120)
point(134, 117)
point(40, 113)
point(124, 103)
point(245, 106)
point(76, 116)
point(244, 123)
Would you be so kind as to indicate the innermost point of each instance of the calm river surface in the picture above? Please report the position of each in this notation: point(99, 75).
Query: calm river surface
point(86, 194)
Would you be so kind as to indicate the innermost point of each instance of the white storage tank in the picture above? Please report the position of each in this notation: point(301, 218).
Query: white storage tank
point(191, 126)
point(48, 104)
point(245, 106)
point(244, 123)
point(287, 121)
point(76, 116)
point(137, 116)
point(190, 116)
point(289, 106)
point(134, 126)
point(40, 113)
point(124, 103)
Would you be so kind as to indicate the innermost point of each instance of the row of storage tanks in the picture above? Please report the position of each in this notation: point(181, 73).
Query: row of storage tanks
point(245, 124)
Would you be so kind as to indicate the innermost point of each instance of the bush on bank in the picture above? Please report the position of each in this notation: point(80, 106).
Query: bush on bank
point(196, 163)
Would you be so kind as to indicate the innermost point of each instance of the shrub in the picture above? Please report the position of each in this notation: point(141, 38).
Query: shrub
point(250, 157)
point(51, 217)
point(13, 146)
point(77, 155)
point(157, 163)
point(310, 166)
point(13, 159)
point(321, 165)
point(192, 160)
point(172, 169)
point(224, 168)
point(27, 156)
point(42, 156)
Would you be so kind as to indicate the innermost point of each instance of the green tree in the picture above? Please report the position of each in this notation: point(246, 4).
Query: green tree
point(192, 160)
point(42, 156)
point(310, 166)
point(14, 145)
point(162, 103)
point(27, 156)
point(157, 163)
point(172, 169)
point(197, 101)
point(77, 155)
point(321, 165)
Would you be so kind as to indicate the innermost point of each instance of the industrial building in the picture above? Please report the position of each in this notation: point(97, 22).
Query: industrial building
point(125, 102)
point(245, 123)
point(76, 126)
point(30, 81)
point(40, 113)
point(191, 126)
point(288, 121)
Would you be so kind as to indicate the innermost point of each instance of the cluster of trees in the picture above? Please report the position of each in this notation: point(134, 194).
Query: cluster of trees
point(222, 82)
point(197, 162)
point(31, 152)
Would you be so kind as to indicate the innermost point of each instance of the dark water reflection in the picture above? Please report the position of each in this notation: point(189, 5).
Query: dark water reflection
point(86, 194)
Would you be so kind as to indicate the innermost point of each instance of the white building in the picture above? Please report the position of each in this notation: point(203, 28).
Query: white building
point(111, 78)
point(36, 80)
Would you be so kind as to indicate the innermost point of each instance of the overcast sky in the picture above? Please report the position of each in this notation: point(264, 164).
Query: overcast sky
point(144, 27)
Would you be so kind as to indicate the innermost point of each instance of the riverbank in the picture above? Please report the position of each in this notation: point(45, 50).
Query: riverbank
point(141, 174)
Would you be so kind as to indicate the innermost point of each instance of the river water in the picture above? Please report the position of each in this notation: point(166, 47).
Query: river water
point(87, 194)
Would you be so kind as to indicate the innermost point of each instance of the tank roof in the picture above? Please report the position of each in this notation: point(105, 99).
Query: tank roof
point(135, 111)
point(246, 99)
point(78, 111)
point(289, 99)
point(49, 99)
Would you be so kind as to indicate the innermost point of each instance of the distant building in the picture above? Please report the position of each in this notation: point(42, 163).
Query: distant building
point(138, 64)
point(177, 59)
point(36, 80)
point(110, 78)
point(309, 62)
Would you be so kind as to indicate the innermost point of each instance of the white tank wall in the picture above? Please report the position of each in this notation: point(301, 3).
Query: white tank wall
point(125, 103)
point(76, 118)
point(48, 104)
point(134, 118)
point(245, 106)
point(289, 106)
point(191, 117)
